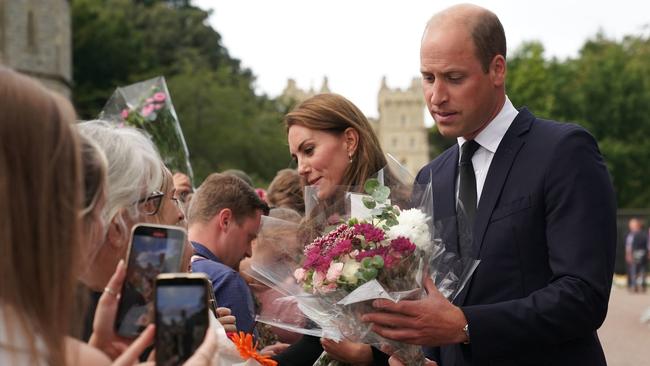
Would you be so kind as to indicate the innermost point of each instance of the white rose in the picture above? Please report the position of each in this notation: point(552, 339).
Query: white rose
point(350, 268)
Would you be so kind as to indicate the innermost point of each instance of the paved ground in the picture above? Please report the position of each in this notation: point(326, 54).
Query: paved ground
point(626, 341)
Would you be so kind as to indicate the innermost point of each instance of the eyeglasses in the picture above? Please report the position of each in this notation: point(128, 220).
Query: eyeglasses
point(151, 204)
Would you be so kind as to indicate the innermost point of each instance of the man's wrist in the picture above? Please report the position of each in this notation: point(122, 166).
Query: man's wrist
point(466, 331)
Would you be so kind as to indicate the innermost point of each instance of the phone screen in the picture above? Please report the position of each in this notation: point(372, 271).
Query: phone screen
point(153, 250)
point(181, 319)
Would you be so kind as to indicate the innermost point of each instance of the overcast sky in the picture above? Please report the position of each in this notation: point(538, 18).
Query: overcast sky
point(356, 42)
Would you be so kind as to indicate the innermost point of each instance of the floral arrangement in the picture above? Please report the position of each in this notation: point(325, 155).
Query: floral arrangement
point(147, 106)
point(248, 350)
point(360, 251)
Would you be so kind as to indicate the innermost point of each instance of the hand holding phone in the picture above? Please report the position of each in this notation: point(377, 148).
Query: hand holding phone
point(182, 303)
point(153, 249)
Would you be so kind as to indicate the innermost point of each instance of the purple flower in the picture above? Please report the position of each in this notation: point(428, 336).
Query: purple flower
point(402, 245)
point(370, 232)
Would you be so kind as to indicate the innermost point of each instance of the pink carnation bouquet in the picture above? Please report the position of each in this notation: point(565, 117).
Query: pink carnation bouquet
point(381, 246)
point(147, 105)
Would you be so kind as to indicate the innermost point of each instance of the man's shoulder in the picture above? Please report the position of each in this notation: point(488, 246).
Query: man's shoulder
point(213, 269)
point(434, 165)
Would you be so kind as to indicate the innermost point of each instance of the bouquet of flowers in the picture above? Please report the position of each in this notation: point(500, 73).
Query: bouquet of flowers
point(147, 106)
point(375, 249)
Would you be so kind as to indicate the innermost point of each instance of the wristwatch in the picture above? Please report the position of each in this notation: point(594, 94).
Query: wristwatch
point(466, 330)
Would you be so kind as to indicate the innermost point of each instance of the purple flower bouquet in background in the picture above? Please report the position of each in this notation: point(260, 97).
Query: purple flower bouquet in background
point(147, 106)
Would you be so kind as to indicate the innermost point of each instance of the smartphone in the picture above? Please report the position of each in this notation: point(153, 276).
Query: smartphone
point(153, 249)
point(182, 304)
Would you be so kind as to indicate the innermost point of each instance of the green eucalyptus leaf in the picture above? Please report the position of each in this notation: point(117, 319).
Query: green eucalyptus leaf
point(369, 202)
point(381, 194)
point(370, 274)
point(366, 262)
point(371, 185)
point(378, 261)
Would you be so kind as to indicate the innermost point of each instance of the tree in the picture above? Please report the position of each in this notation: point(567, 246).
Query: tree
point(225, 123)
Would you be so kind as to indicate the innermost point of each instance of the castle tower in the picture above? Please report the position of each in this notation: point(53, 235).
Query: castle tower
point(400, 126)
point(35, 39)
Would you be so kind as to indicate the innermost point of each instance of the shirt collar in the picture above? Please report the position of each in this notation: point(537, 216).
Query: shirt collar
point(204, 252)
point(493, 133)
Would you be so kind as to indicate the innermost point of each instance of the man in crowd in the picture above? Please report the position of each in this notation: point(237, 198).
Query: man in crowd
point(536, 197)
point(224, 218)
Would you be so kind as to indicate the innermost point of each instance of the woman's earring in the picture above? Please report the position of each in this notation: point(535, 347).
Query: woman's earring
point(350, 156)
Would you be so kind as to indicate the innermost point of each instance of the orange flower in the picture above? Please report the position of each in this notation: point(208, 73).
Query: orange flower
point(247, 349)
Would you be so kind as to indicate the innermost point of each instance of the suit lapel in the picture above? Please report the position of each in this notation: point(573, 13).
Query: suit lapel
point(505, 155)
point(444, 209)
point(499, 168)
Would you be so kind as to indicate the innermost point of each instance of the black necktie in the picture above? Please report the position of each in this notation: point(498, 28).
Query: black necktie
point(466, 206)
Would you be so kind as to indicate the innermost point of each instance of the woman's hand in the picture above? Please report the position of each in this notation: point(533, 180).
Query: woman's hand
point(348, 352)
point(208, 349)
point(131, 355)
point(274, 349)
point(104, 337)
point(227, 320)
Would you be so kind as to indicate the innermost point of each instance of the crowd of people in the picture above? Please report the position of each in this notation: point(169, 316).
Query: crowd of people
point(539, 201)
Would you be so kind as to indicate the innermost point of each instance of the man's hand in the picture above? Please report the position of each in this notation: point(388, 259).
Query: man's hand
point(430, 321)
point(394, 361)
point(227, 320)
point(348, 352)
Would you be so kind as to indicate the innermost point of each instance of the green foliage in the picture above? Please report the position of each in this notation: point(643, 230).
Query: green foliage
point(607, 90)
point(226, 125)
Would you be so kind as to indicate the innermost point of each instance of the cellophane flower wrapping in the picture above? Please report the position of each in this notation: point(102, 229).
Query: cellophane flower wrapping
point(365, 243)
point(147, 105)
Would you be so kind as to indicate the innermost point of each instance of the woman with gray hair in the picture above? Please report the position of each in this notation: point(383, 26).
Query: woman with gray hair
point(140, 189)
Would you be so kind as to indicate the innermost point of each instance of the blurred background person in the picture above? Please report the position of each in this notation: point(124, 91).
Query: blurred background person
point(636, 255)
point(286, 190)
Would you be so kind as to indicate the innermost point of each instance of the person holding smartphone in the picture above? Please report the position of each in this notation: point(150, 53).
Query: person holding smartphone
point(224, 219)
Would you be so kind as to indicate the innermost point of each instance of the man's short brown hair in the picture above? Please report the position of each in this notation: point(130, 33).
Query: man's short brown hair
point(220, 191)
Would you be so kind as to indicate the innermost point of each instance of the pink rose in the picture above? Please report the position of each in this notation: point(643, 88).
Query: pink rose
point(147, 110)
point(125, 113)
point(334, 272)
point(299, 274)
point(318, 279)
point(159, 97)
point(158, 106)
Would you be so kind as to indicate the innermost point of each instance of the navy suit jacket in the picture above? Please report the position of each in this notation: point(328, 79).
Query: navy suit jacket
point(545, 233)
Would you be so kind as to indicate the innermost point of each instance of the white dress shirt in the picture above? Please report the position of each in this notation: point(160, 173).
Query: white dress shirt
point(489, 140)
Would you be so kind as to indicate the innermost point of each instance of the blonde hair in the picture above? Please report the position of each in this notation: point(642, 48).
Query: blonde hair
point(40, 200)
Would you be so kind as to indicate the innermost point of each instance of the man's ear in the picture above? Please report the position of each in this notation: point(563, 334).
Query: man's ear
point(498, 70)
point(351, 136)
point(224, 219)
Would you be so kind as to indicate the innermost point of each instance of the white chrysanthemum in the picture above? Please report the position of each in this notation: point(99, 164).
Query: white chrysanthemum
point(412, 224)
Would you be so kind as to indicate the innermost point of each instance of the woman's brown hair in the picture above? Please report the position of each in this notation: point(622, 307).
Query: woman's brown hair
point(334, 113)
point(40, 200)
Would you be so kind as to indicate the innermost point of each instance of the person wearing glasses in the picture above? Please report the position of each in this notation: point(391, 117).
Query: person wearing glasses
point(140, 190)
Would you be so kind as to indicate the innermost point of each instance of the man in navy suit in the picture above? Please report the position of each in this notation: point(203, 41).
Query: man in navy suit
point(543, 218)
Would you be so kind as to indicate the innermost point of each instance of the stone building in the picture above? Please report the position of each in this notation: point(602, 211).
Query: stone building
point(400, 126)
point(35, 39)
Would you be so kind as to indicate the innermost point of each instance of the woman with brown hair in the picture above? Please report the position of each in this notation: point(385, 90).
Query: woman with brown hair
point(41, 249)
point(334, 145)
